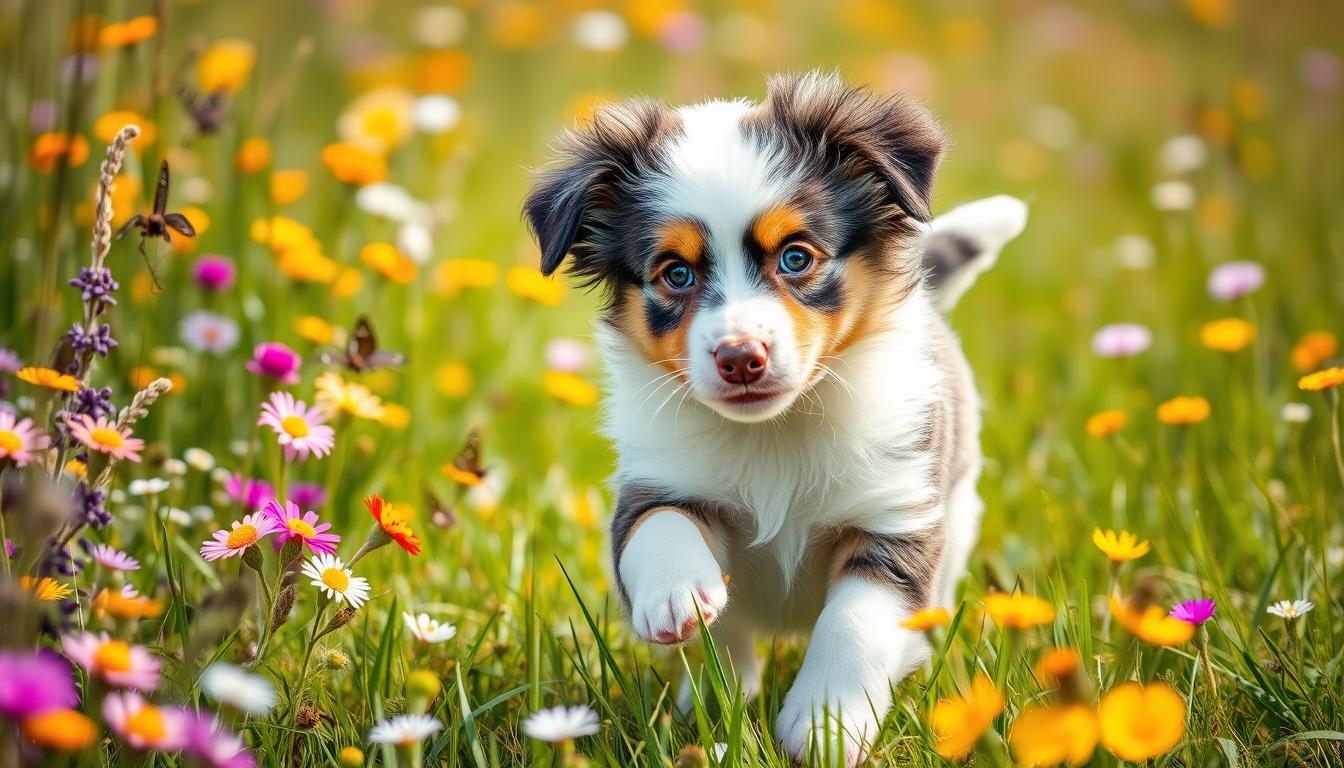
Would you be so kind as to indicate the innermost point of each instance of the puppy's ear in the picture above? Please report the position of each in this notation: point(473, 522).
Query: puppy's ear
point(893, 137)
point(591, 167)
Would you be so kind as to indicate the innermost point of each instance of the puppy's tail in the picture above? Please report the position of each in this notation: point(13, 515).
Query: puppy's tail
point(966, 241)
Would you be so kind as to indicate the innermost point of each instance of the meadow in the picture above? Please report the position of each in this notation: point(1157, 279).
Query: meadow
point(1157, 355)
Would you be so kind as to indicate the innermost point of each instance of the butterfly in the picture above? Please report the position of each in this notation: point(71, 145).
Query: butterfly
point(361, 352)
point(158, 223)
point(440, 515)
point(207, 110)
point(466, 468)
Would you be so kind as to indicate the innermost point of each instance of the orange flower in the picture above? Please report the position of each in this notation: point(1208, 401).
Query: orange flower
point(570, 388)
point(1183, 410)
point(1320, 380)
point(1018, 610)
point(106, 128)
point(451, 276)
point(1058, 664)
point(392, 524)
point(1230, 334)
point(53, 147)
point(315, 329)
point(225, 66)
point(352, 164)
point(1107, 423)
point(46, 588)
point(958, 723)
point(389, 262)
point(1138, 722)
point(253, 155)
point(1313, 350)
point(531, 284)
point(63, 730)
point(1151, 623)
point(129, 32)
point(442, 71)
point(287, 186)
point(51, 379)
point(1050, 735)
point(923, 621)
point(126, 605)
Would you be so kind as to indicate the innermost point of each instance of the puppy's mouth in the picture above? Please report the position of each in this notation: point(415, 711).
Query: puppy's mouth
point(752, 397)
point(749, 403)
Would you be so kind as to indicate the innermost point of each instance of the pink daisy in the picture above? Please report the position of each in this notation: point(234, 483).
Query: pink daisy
point(246, 532)
point(104, 436)
point(211, 740)
point(301, 430)
point(19, 439)
point(119, 664)
point(277, 361)
point(252, 493)
point(145, 726)
point(302, 525)
point(113, 559)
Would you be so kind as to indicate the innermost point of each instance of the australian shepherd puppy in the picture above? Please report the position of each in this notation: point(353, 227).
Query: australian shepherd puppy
point(796, 423)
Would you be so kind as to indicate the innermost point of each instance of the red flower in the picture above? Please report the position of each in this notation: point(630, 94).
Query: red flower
point(393, 524)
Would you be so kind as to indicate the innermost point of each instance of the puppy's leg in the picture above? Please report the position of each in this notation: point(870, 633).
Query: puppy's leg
point(735, 642)
point(858, 647)
point(666, 566)
point(964, 509)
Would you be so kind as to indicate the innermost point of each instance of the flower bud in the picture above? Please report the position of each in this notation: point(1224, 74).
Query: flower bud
point(335, 660)
point(290, 552)
point(421, 689)
point(691, 756)
point(252, 558)
point(284, 604)
point(340, 619)
point(351, 757)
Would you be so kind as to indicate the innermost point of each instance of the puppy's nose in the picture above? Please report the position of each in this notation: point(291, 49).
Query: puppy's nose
point(741, 360)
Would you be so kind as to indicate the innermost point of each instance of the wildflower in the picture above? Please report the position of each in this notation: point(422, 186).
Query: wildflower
point(308, 495)
point(52, 148)
point(1050, 735)
point(334, 658)
point(46, 377)
point(252, 493)
point(390, 201)
point(331, 577)
point(143, 725)
point(567, 355)
point(389, 525)
point(125, 34)
point(1183, 154)
point(244, 691)
point(350, 757)
point(107, 127)
point(113, 559)
point(19, 440)
point(199, 459)
point(601, 31)
point(1121, 340)
point(352, 164)
point(117, 663)
point(531, 284)
point(315, 329)
point(559, 724)
point(208, 738)
point(147, 487)
point(246, 532)
point(958, 723)
point(1150, 623)
point(214, 274)
point(404, 730)
point(1121, 546)
point(1141, 722)
point(103, 436)
point(336, 395)
point(206, 331)
point(1231, 334)
point(303, 526)
point(125, 603)
point(1183, 410)
point(422, 687)
point(926, 619)
point(452, 275)
point(378, 120)
point(1314, 349)
point(1194, 611)
point(35, 682)
point(1235, 279)
point(46, 589)
point(387, 261)
point(436, 114)
point(1312, 382)
point(1106, 423)
point(1058, 664)
point(60, 730)
point(453, 379)
point(569, 388)
point(1018, 610)
point(1173, 196)
point(1291, 610)
point(225, 66)
point(254, 155)
point(288, 185)
point(428, 630)
point(1296, 413)
point(301, 430)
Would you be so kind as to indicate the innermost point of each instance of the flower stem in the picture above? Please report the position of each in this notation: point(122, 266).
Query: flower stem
point(1334, 434)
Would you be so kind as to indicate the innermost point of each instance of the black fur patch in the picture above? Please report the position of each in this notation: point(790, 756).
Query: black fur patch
point(907, 563)
point(633, 502)
point(945, 253)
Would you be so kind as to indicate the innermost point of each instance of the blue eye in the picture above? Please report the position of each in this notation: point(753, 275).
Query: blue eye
point(679, 276)
point(794, 261)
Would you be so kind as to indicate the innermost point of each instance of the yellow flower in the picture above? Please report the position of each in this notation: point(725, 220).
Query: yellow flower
point(379, 120)
point(336, 395)
point(1183, 410)
point(1151, 623)
point(1314, 349)
point(569, 388)
point(517, 24)
point(451, 276)
point(926, 619)
point(54, 147)
point(347, 283)
point(1121, 546)
point(386, 260)
point(1106, 423)
point(51, 379)
point(46, 589)
point(1230, 334)
point(353, 164)
point(315, 329)
point(1057, 664)
point(253, 156)
point(106, 128)
point(1018, 610)
point(62, 730)
point(1326, 379)
point(127, 33)
point(453, 380)
point(395, 416)
point(1050, 735)
point(225, 66)
point(287, 186)
point(958, 723)
point(531, 284)
point(350, 757)
point(1210, 13)
point(1139, 723)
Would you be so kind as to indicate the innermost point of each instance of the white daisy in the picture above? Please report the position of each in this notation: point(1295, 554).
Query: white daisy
point(331, 576)
point(1291, 609)
point(404, 730)
point(148, 487)
point(199, 459)
point(248, 693)
point(428, 630)
point(1296, 413)
point(562, 723)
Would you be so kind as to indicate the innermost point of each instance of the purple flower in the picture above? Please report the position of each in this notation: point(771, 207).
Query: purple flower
point(215, 273)
point(253, 493)
point(96, 288)
point(81, 66)
point(1194, 611)
point(304, 526)
point(100, 341)
point(10, 362)
point(1235, 279)
point(308, 495)
point(42, 115)
point(1321, 70)
point(276, 361)
point(1121, 340)
point(89, 503)
point(35, 682)
point(10, 550)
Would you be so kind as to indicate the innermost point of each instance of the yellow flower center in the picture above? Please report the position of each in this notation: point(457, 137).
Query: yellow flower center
point(296, 426)
point(336, 579)
point(242, 536)
point(147, 723)
point(9, 442)
point(113, 656)
point(301, 528)
point(107, 437)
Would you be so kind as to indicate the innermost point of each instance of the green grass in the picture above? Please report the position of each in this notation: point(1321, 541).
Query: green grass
point(1244, 507)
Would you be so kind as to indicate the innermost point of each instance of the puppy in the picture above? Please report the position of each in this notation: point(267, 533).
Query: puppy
point(789, 406)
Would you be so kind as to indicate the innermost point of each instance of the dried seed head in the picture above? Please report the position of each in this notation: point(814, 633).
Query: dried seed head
point(309, 716)
point(691, 756)
point(340, 619)
point(335, 660)
point(284, 604)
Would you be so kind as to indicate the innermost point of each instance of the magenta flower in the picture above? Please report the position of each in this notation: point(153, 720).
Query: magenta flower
point(308, 495)
point(1235, 279)
point(302, 525)
point(35, 682)
point(11, 549)
point(1194, 611)
point(113, 559)
point(10, 362)
point(215, 273)
point(277, 361)
point(246, 532)
point(145, 726)
point(206, 737)
point(1121, 340)
point(253, 493)
point(300, 430)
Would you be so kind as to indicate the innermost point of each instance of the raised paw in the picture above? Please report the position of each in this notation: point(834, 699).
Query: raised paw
point(666, 613)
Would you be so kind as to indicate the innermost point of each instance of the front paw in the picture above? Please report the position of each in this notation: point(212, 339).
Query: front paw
point(830, 728)
point(666, 613)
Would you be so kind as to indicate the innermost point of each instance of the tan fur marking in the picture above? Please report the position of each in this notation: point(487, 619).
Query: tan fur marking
point(682, 238)
point(667, 350)
point(775, 224)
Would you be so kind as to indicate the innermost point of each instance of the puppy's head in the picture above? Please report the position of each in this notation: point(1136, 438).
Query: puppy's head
point(744, 244)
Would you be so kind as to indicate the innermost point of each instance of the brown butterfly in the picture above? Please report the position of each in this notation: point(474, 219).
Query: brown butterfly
point(441, 516)
point(207, 111)
point(466, 468)
point(158, 223)
point(361, 352)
